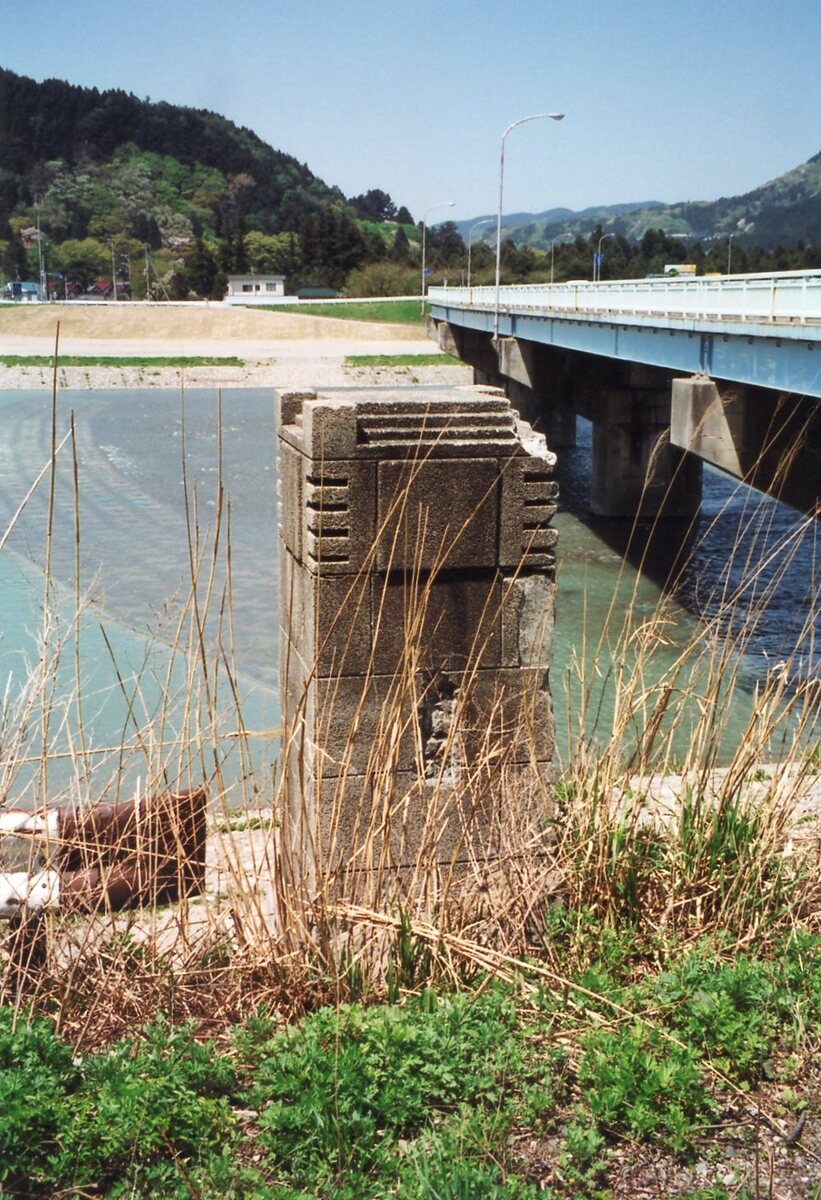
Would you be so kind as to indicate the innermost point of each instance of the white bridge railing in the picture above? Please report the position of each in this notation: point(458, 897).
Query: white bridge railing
point(788, 296)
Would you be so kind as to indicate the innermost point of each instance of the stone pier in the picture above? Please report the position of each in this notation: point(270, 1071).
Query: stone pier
point(417, 600)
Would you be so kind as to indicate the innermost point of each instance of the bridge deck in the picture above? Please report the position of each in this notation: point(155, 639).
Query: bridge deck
point(758, 329)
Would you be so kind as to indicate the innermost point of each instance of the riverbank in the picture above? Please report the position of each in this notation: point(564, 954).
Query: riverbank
point(294, 370)
point(626, 1059)
point(280, 350)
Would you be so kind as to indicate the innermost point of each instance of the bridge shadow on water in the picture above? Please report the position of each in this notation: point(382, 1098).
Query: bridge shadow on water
point(746, 561)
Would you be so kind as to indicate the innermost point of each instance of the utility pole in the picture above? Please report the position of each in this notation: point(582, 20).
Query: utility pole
point(113, 271)
point(43, 288)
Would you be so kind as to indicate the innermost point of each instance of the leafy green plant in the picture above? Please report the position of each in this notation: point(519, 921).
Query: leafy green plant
point(732, 1013)
point(37, 1075)
point(637, 1083)
point(737, 1013)
point(582, 1160)
point(342, 1090)
point(150, 1112)
point(454, 1163)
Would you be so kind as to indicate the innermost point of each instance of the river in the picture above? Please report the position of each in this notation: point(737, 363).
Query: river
point(135, 575)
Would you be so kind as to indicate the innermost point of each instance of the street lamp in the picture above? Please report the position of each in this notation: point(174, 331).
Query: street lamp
point(442, 204)
point(484, 221)
point(597, 262)
point(557, 238)
point(521, 121)
point(730, 253)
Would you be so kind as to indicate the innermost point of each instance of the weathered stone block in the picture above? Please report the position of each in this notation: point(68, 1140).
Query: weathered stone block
point(437, 514)
point(528, 618)
point(455, 423)
point(505, 715)
point(417, 615)
point(528, 504)
point(358, 724)
point(339, 516)
point(329, 430)
point(436, 623)
point(290, 475)
point(330, 614)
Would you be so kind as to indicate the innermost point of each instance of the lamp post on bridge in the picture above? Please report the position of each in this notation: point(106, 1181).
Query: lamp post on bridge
point(597, 260)
point(513, 124)
point(730, 253)
point(557, 238)
point(441, 204)
point(484, 221)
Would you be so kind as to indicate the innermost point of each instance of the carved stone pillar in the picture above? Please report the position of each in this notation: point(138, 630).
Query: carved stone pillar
point(417, 599)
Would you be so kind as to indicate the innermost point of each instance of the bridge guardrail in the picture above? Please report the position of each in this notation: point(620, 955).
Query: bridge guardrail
point(786, 296)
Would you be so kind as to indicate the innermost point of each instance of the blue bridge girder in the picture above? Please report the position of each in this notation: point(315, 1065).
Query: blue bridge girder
point(778, 349)
point(727, 370)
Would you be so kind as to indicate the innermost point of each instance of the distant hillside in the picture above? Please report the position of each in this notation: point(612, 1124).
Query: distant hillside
point(44, 122)
point(105, 172)
point(782, 212)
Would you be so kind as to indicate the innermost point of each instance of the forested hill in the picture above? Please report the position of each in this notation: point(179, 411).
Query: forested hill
point(104, 166)
point(44, 122)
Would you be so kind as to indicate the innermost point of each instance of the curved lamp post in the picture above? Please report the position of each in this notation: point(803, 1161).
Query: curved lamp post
point(513, 124)
point(597, 263)
point(442, 204)
point(484, 221)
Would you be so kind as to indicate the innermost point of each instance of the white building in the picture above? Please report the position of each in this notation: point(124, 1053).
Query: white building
point(255, 289)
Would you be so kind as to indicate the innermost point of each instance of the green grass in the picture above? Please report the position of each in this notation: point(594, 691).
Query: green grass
point(438, 1096)
point(401, 360)
point(97, 360)
point(401, 312)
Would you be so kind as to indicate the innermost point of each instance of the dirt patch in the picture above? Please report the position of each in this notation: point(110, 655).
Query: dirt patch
point(199, 322)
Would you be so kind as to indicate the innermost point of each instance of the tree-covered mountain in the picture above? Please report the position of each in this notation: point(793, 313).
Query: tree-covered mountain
point(105, 176)
point(782, 212)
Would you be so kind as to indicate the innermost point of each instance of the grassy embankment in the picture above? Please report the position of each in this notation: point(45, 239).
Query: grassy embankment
point(105, 360)
point(391, 312)
point(621, 988)
point(400, 360)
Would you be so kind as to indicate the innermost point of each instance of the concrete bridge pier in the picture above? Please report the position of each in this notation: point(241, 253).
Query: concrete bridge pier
point(473, 346)
point(636, 470)
point(538, 382)
point(770, 439)
point(535, 378)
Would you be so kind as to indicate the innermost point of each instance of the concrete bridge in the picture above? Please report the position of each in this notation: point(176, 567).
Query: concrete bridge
point(671, 372)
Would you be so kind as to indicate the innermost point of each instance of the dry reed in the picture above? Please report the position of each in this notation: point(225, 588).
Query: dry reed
point(492, 851)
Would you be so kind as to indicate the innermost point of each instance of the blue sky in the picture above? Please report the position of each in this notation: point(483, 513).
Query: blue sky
point(664, 99)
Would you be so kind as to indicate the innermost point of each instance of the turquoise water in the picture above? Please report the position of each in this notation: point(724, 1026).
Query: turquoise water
point(135, 579)
point(140, 454)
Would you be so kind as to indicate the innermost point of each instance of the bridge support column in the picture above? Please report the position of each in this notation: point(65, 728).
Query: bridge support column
point(769, 439)
point(474, 347)
point(636, 471)
point(536, 382)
